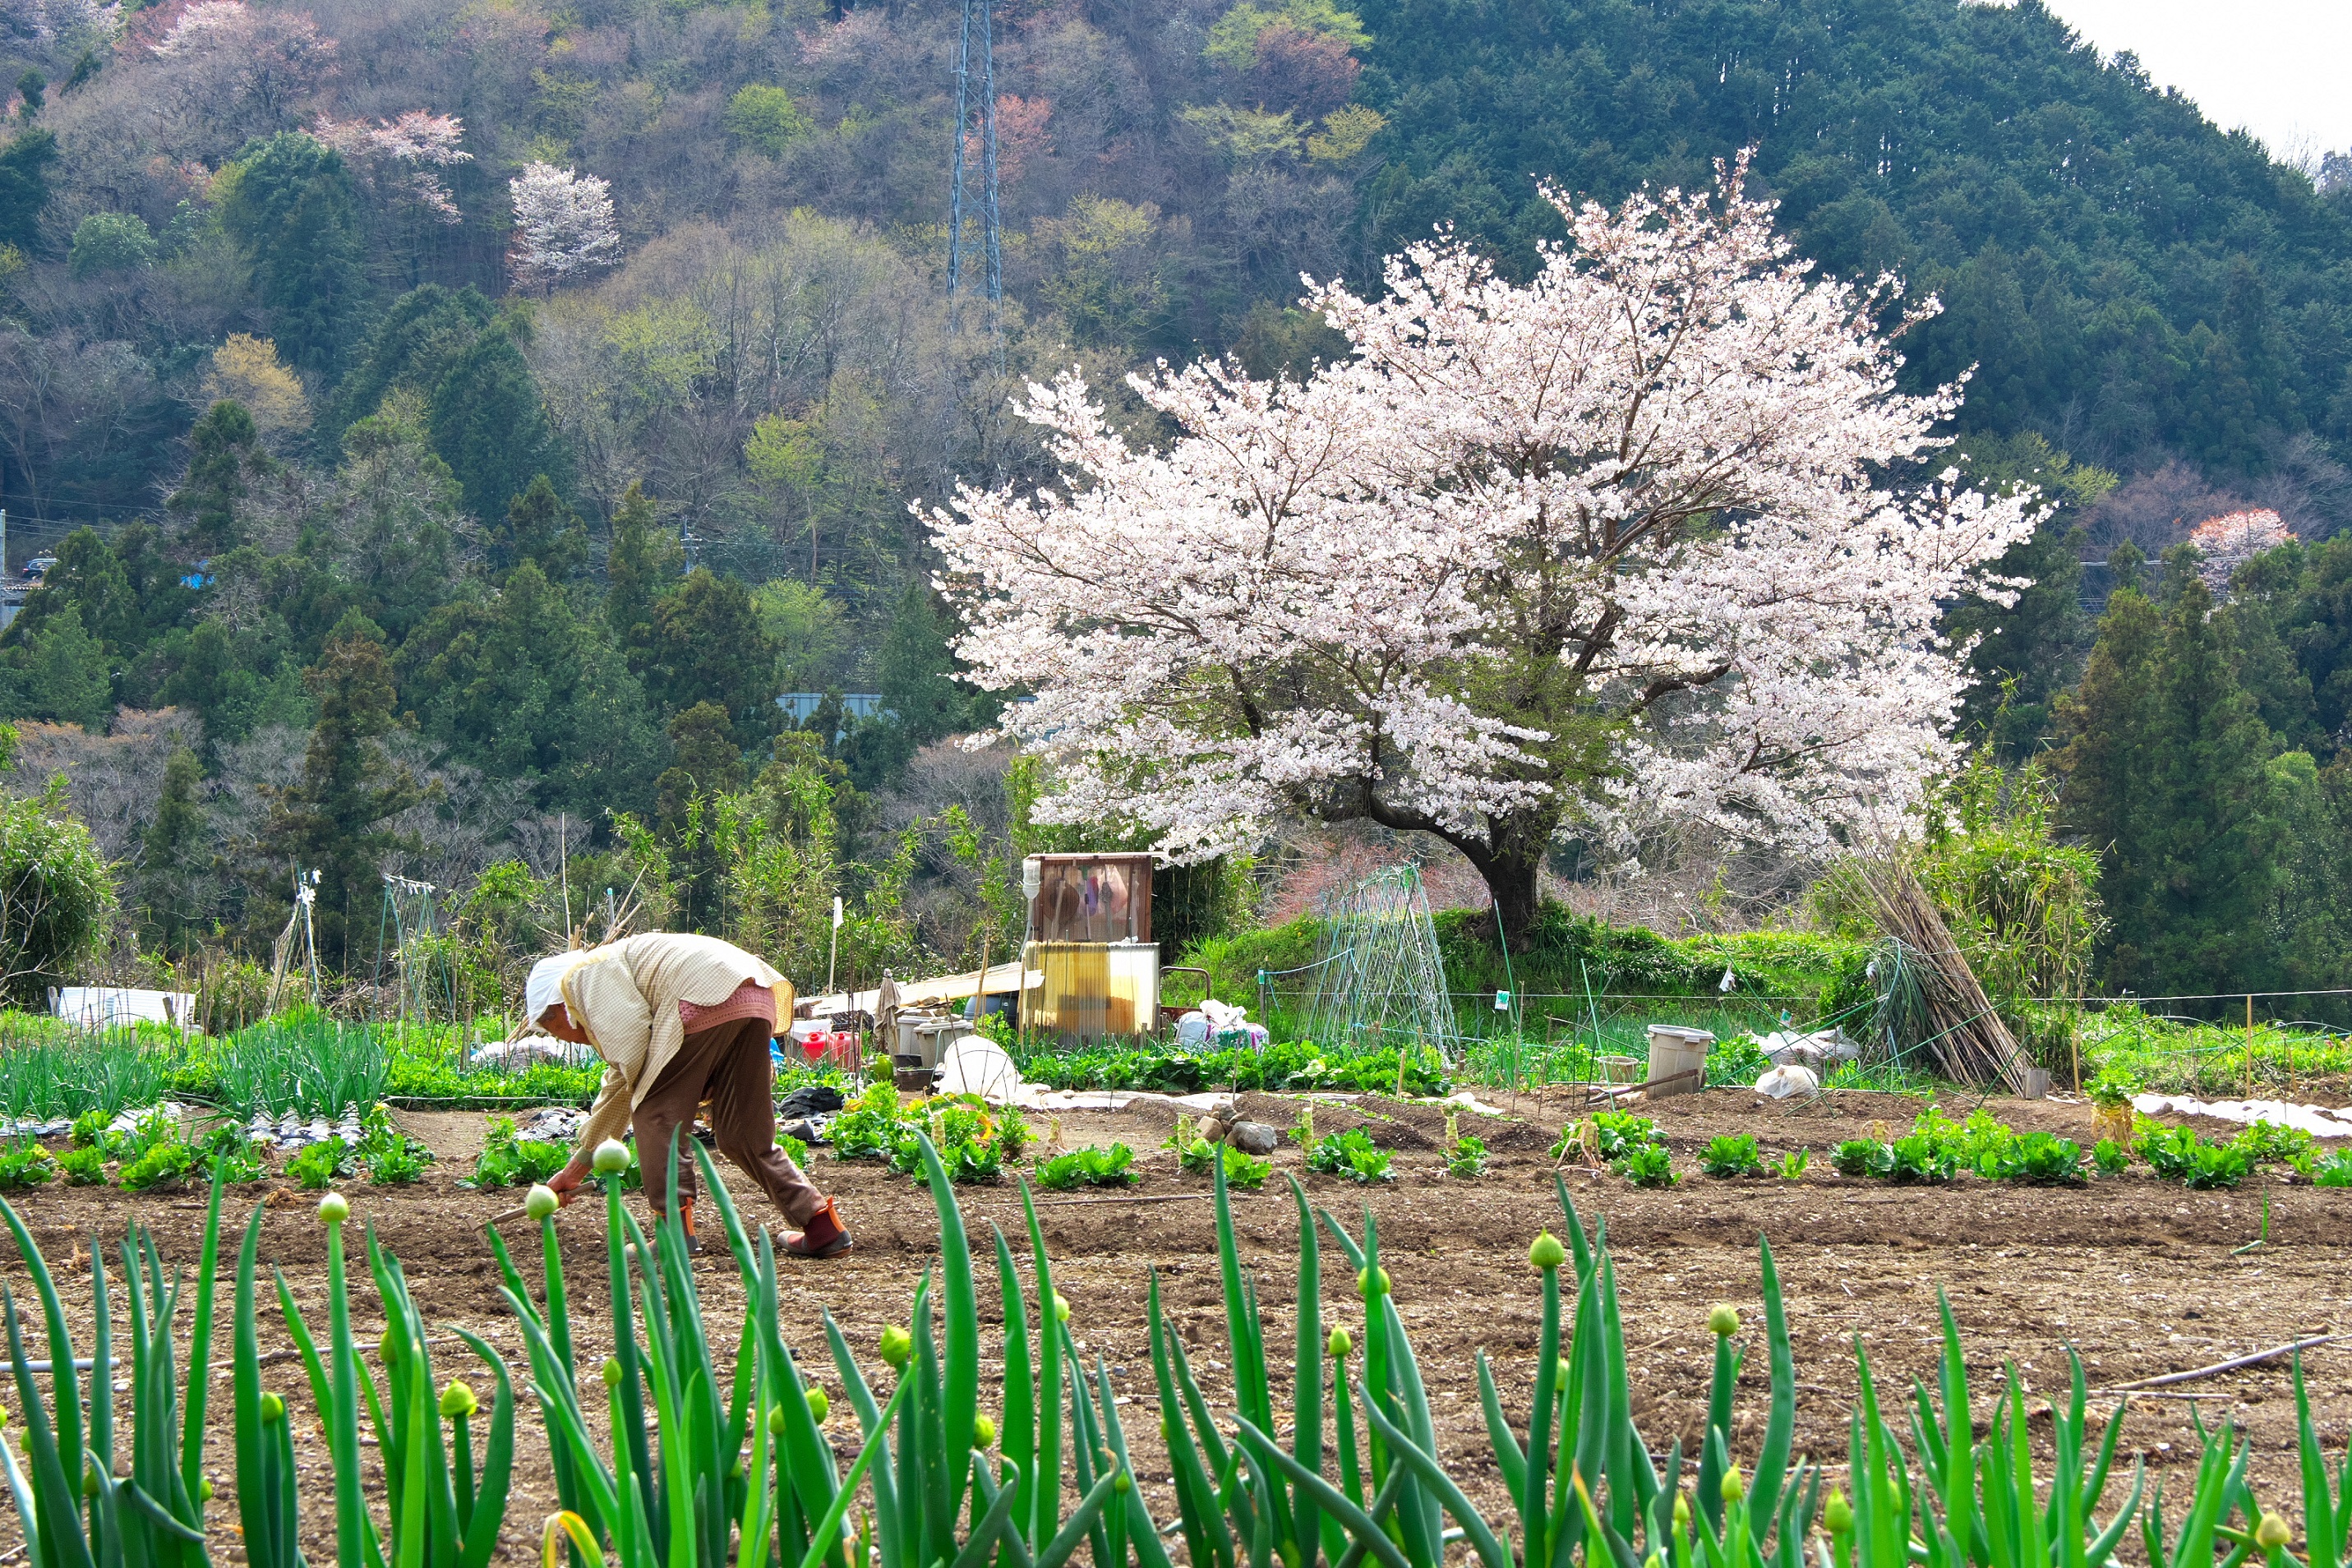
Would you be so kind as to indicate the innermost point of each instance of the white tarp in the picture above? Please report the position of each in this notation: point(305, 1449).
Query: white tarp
point(2319, 1120)
point(106, 1006)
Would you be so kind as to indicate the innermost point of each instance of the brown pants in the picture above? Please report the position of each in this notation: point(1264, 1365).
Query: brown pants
point(729, 1067)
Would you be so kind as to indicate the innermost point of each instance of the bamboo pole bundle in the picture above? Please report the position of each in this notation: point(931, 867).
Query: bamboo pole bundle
point(1930, 994)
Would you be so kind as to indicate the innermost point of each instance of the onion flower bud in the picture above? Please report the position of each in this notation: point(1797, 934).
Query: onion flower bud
point(334, 1208)
point(983, 1432)
point(1838, 1514)
point(1735, 1487)
point(1339, 1343)
point(541, 1200)
point(1682, 1511)
point(898, 1346)
point(273, 1409)
point(1372, 1282)
point(457, 1401)
point(2271, 1533)
point(819, 1406)
point(1722, 1321)
point(1061, 1308)
point(1548, 1252)
point(612, 1372)
point(612, 1158)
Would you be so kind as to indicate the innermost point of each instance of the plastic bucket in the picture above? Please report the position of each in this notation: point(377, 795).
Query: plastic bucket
point(1678, 1052)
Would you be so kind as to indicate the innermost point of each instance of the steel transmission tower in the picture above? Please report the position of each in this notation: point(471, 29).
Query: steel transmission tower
point(980, 12)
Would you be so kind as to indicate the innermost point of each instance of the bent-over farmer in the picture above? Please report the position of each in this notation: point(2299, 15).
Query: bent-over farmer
point(681, 1020)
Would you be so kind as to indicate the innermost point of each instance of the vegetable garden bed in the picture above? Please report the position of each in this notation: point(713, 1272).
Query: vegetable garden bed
point(2142, 1274)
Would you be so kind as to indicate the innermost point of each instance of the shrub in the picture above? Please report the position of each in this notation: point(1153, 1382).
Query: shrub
point(1649, 1166)
point(2111, 1157)
point(1089, 1167)
point(1732, 1154)
point(25, 1165)
point(56, 896)
point(84, 1167)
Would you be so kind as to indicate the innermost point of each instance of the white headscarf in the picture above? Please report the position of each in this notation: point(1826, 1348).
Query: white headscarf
point(545, 987)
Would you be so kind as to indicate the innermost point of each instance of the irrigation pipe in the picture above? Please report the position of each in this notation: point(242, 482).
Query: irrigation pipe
point(2223, 1366)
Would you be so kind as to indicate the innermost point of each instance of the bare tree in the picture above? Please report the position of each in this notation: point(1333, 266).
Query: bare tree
point(112, 781)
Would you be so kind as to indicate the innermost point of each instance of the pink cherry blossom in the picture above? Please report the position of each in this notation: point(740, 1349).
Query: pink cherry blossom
point(1535, 560)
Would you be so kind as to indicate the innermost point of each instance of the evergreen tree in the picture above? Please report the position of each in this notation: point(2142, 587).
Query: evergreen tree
point(538, 528)
point(89, 578)
point(291, 204)
point(708, 646)
point(490, 426)
point(641, 567)
point(225, 459)
point(334, 819)
point(25, 165)
point(174, 860)
point(60, 673)
point(2216, 840)
point(413, 346)
point(921, 701)
point(2029, 652)
point(705, 760)
point(396, 553)
point(2109, 724)
point(519, 685)
point(2264, 594)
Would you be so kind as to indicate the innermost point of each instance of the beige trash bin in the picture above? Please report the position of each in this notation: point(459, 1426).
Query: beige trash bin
point(1677, 1048)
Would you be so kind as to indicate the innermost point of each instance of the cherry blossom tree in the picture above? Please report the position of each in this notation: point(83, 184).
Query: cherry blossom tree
point(564, 225)
point(1614, 546)
point(400, 158)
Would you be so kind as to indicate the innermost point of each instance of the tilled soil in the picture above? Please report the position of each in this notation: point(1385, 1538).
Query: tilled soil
point(2142, 1276)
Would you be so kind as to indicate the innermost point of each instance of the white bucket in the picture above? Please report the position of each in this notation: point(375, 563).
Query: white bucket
point(1676, 1049)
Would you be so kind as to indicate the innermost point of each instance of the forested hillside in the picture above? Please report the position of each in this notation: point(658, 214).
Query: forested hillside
point(476, 413)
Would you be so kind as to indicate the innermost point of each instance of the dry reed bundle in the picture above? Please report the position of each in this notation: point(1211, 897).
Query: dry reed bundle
point(1930, 996)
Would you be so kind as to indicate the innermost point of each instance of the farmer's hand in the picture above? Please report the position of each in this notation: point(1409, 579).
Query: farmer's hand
point(565, 1183)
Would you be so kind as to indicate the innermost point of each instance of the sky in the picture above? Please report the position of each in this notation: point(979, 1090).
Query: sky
point(2278, 68)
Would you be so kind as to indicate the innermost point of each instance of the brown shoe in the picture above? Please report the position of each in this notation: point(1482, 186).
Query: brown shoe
point(824, 1236)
